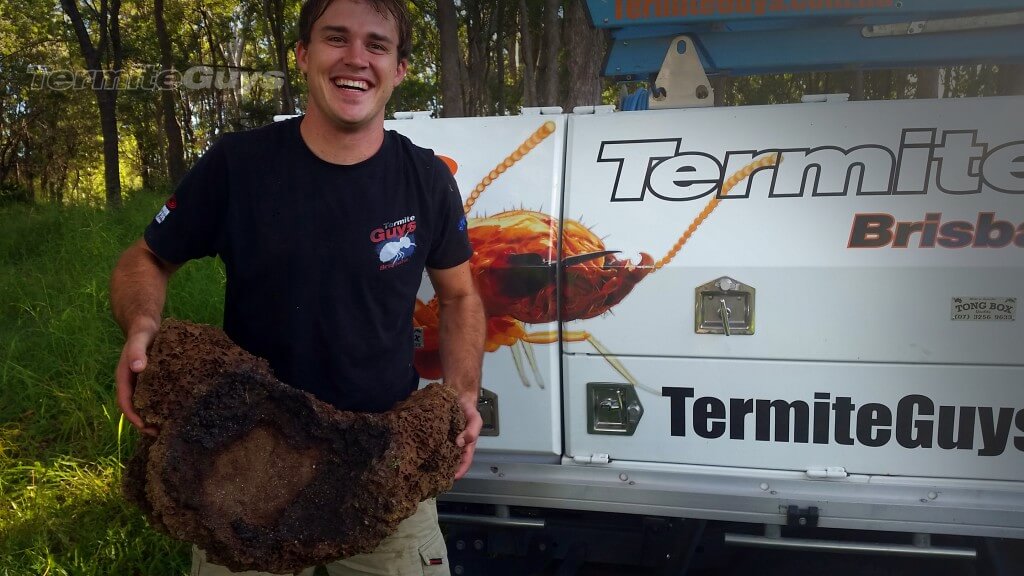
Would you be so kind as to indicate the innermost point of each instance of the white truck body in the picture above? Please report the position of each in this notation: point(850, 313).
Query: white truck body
point(883, 381)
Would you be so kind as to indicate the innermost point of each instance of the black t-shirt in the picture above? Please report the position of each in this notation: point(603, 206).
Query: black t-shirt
point(323, 261)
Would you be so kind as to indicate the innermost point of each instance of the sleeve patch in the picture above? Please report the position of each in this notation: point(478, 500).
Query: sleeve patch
point(164, 211)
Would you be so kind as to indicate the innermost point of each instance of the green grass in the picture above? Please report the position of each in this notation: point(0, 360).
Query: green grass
point(62, 441)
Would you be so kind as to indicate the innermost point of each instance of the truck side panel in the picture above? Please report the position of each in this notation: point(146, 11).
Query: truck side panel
point(873, 261)
point(509, 172)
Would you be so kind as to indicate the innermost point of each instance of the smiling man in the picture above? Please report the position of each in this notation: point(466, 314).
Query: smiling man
point(325, 224)
point(353, 55)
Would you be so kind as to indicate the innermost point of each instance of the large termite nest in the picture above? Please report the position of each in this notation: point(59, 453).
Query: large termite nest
point(265, 477)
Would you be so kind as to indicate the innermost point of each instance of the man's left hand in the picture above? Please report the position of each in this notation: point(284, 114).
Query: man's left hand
point(467, 440)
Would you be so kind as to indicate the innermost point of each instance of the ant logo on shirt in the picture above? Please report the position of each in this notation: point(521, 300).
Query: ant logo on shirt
point(394, 242)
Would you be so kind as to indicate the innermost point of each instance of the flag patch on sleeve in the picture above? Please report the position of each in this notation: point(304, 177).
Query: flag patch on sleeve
point(162, 214)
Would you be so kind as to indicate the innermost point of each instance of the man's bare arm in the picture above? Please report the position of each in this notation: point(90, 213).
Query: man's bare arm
point(461, 342)
point(138, 288)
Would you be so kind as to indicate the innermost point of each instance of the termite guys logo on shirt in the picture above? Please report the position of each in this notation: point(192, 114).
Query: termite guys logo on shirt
point(394, 241)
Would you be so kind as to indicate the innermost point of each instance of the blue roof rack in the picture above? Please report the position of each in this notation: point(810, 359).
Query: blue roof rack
point(742, 37)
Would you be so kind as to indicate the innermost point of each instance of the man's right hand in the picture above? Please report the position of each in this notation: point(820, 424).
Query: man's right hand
point(138, 287)
point(133, 360)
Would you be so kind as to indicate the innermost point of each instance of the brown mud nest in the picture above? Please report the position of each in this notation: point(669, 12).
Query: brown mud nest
point(265, 477)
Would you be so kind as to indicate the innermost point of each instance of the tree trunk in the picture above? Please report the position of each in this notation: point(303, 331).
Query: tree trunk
point(499, 61)
point(274, 12)
point(720, 84)
point(452, 105)
point(585, 53)
point(857, 90)
point(111, 157)
point(8, 160)
point(236, 58)
point(1011, 79)
point(189, 135)
point(511, 48)
point(222, 75)
point(528, 57)
point(106, 96)
point(552, 48)
point(480, 29)
point(902, 80)
point(927, 83)
point(175, 151)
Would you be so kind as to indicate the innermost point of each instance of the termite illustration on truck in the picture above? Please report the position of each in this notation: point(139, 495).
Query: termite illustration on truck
point(516, 263)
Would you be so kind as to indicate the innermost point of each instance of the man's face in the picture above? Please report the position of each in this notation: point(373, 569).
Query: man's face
point(351, 65)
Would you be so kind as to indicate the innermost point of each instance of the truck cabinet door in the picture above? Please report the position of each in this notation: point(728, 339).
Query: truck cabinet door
point(509, 172)
point(870, 283)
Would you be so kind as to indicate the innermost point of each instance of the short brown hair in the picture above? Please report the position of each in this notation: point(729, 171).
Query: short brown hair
point(312, 10)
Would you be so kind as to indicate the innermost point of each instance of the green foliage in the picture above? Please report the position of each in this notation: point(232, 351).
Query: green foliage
point(50, 148)
point(965, 81)
point(62, 441)
point(11, 192)
point(49, 138)
point(45, 145)
point(421, 89)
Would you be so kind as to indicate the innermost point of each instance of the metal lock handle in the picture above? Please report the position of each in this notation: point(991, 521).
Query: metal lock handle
point(724, 306)
point(613, 409)
point(723, 313)
point(487, 405)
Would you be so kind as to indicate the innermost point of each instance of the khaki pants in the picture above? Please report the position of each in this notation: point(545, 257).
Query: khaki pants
point(407, 552)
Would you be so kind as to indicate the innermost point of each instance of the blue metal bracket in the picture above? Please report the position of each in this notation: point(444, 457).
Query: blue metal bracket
point(759, 36)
